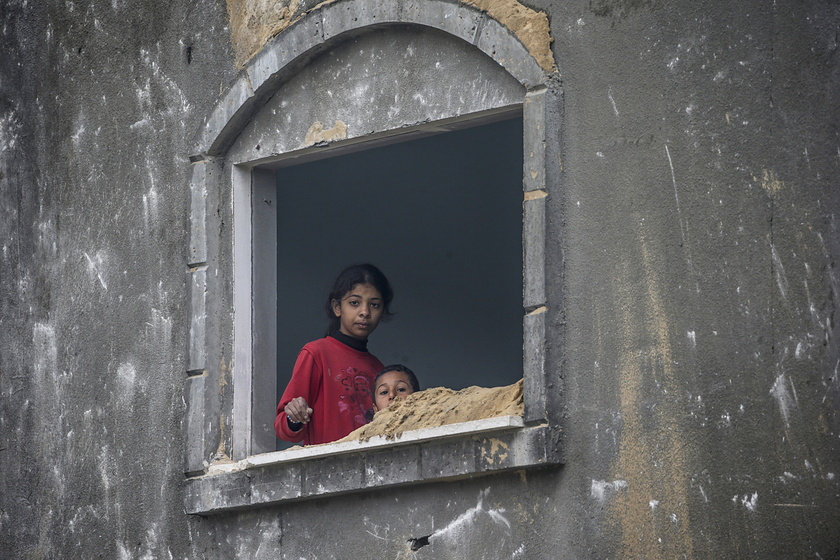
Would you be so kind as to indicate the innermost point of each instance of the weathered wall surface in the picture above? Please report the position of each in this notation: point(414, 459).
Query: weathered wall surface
point(701, 245)
point(97, 103)
point(693, 235)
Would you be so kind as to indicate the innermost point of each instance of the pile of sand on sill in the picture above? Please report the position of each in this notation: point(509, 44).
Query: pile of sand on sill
point(439, 406)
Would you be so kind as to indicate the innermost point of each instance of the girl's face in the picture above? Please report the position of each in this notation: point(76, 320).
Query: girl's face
point(359, 311)
point(389, 385)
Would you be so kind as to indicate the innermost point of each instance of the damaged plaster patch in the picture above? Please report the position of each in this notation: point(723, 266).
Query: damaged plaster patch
point(318, 134)
point(254, 22)
point(770, 183)
point(529, 26)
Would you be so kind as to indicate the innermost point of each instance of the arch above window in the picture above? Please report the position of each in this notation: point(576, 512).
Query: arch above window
point(324, 27)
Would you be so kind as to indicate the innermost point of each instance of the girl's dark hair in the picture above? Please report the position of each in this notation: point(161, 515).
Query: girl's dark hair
point(352, 276)
point(401, 368)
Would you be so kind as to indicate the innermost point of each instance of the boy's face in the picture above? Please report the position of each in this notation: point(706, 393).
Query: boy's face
point(390, 385)
point(359, 311)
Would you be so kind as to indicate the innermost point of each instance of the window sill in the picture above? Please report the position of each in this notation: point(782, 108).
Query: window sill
point(435, 454)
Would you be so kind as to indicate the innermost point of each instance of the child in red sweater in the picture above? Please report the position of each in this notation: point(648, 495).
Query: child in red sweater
point(330, 393)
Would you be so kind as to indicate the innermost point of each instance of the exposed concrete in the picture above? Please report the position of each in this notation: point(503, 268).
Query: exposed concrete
point(255, 22)
point(529, 26)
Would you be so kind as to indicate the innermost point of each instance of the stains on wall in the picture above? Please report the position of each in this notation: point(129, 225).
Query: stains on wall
point(648, 499)
point(254, 22)
point(618, 10)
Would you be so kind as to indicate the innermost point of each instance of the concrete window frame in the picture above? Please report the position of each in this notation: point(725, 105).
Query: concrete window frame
point(229, 460)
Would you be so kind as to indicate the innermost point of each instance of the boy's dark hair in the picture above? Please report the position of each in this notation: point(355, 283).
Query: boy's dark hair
point(401, 368)
point(352, 276)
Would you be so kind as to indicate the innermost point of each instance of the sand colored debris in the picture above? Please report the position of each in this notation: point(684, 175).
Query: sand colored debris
point(440, 406)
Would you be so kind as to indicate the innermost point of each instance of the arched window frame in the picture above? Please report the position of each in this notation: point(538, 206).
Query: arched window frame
point(226, 446)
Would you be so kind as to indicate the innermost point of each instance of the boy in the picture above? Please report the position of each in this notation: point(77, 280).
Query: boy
point(393, 381)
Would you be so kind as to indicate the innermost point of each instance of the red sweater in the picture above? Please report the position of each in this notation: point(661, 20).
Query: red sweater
point(336, 382)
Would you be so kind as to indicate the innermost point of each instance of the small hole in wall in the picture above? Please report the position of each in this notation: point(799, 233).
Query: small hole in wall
point(188, 54)
point(419, 542)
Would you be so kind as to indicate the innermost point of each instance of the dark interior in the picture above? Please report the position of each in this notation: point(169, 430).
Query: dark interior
point(441, 216)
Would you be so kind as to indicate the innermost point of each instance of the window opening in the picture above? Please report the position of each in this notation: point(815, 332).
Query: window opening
point(442, 217)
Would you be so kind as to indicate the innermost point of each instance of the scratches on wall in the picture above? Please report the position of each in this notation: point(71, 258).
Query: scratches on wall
point(9, 130)
point(785, 395)
point(612, 102)
point(454, 528)
point(779, 271)
point(683, 223)
point(96, 265)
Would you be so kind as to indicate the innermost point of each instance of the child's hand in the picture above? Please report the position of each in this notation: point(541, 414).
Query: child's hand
point(298, 411)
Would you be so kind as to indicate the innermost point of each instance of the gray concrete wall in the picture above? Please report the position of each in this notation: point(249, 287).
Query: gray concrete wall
point(693, 240)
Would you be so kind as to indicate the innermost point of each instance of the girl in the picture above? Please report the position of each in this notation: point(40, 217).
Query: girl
point(330, 394)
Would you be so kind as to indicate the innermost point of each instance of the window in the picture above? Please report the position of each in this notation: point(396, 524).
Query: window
point(259, 156)
point(441, 215)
